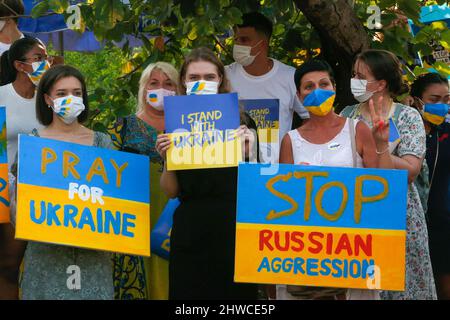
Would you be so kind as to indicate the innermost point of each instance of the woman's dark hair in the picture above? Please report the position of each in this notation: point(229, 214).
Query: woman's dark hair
point(424, 81)
point(10, 8)
point(17, 52)
point(311, 66)
point(384, 65)
point(203, 54)
point(44, 113)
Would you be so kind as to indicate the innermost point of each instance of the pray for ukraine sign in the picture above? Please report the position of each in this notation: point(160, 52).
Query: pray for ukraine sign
point(82, 196)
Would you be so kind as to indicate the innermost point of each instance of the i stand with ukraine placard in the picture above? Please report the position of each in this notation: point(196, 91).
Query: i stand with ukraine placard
point(266, 114)
point(202, 129)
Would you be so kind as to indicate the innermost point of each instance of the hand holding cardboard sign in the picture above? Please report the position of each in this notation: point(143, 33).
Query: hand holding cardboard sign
point(248, 141)
point(162, 145)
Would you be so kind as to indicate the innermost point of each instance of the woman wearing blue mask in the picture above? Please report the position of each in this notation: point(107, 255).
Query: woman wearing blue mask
point(203, 234)
point(327, 139)
point(431, 98)
point(61, 107)
point(378, 81)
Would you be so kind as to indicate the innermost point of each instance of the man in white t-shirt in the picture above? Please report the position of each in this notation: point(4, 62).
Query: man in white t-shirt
point(256, 76)
point(9, 31)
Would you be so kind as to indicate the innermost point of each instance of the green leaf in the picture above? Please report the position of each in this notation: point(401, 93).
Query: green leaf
point(439, 25)
point(419, 70)
point(423, 48)
point(411, 8)
point(442, 67)
point(58, 6)
point(99, 127)
point(40, 9)
point(445, 39)
point(193, 33)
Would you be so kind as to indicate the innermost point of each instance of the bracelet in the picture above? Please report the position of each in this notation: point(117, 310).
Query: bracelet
point(383, 152)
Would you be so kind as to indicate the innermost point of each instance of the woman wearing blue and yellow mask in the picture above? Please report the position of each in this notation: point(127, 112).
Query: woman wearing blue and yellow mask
point(328, 139)
point(431, 97)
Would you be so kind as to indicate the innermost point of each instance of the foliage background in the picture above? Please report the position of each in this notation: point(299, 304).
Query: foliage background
point(176, 26)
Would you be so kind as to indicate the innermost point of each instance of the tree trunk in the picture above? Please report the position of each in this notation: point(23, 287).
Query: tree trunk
point(342, 36)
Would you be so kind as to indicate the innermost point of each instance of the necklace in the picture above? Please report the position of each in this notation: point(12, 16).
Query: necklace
point(359, 114)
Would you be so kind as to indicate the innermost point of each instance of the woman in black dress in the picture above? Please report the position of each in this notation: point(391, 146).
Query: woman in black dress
point(204, 225)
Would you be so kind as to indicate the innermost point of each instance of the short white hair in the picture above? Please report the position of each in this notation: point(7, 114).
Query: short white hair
point(165, 67)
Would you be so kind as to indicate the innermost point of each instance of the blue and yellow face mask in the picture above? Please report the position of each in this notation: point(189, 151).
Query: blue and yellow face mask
point(319, 102)
point(435, 112)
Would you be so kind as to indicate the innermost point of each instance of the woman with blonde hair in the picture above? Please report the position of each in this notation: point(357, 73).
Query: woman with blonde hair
point(138, 277)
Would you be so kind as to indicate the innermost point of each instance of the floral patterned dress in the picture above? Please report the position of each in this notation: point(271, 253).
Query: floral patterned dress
point(138, 277)
point(419, 273)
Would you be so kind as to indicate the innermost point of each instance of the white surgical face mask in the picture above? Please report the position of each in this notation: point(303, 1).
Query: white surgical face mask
point(359, 90)
point(155, 97)
point(2, 24)
point(68, 108)
point(201, 87)
point(241, 54)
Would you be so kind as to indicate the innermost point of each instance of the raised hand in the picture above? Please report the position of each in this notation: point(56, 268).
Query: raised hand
point(380, 121)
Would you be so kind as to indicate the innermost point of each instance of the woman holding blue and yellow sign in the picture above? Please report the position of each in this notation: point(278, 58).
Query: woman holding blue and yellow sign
point(202, 241)
point(138, 277)
point(327, 139)
point(378, 80)
point(61, 107)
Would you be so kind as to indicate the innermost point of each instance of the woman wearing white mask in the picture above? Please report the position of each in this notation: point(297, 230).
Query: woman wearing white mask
point(138, 277)
point(17, 94)
point(203, 232)
point(377, 81)
point(62, 106)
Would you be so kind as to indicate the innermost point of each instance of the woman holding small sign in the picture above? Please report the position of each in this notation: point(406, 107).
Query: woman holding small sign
point(138, 277)
point(203, 232)
point(377, 81)
point(61, 107)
